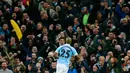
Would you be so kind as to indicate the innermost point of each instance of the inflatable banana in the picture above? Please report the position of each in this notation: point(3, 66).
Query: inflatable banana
point(16, 29)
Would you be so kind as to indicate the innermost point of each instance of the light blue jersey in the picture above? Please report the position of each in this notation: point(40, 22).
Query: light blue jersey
point(65, 52)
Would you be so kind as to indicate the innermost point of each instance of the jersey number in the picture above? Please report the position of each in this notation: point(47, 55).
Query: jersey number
point(64, 53)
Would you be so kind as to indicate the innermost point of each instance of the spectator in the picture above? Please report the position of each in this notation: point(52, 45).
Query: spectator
point(4, 68)
point(53, 67)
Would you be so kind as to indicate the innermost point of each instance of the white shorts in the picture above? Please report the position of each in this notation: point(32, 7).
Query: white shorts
point(61, 68)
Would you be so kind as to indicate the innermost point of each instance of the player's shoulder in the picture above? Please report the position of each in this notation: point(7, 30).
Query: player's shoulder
point(68, 45)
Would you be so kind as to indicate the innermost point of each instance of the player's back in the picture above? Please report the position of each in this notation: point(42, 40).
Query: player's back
point(65, 53)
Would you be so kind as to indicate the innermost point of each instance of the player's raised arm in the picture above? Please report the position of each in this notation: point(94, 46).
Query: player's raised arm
point(76, 58)
point(57, 52)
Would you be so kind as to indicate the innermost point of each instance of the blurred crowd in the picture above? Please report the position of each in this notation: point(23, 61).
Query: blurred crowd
point(99, 29)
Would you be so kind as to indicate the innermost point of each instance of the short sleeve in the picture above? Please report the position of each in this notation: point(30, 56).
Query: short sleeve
point(58, 49)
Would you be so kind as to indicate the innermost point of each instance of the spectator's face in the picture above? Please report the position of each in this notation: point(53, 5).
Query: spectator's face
point(74, 37)
point(5, 26)
point(111, 35)
point(34, 56)
point(39, 26)
point(51, 27)
point(53, 65)
point(99, 48)
point(110, 54)
point(118, 47)
point(126, 9)
point(45, 38)
point(19, 3)
point(4, 65)
point(23, 28)
point(29, 67)
point(30, 43)
point(45, 32)
point(14, 15)
point(62, 41)
point(17, 61)
point(125, 21)
point(99, 15)
point(12, 40)
point(25, 16)
point(62, 34)
point(95, 69)
point(70, 28)
point(112, 60)
point(38, 65)
point(16, 9)
point(76, 21)
point(101, 60)
point(34, 50)
point(45, 5)
point(95, 30)
point(75, 45)
point(126, 58)
point(65, 4)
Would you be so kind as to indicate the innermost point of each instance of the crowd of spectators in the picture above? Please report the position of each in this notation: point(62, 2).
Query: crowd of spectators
point(99, 29)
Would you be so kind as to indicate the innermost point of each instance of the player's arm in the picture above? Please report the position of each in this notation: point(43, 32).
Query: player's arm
point(76, 58)
point(56, 52)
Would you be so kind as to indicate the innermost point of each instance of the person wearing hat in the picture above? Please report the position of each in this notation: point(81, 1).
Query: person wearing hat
point(95, 69)
point(41, 61)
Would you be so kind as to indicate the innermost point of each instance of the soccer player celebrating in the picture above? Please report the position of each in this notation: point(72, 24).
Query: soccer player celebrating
point(64, 53)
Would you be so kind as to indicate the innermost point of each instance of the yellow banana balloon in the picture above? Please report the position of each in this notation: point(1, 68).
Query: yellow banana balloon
point(16, 29)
